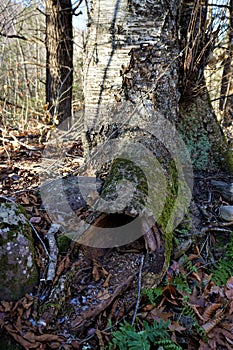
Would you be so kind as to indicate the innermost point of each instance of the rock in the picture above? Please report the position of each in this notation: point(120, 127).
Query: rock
point(224, 188)
point(18, 274)
point(226, 212)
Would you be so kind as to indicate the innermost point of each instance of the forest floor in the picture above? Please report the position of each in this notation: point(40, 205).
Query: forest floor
point(94, 298)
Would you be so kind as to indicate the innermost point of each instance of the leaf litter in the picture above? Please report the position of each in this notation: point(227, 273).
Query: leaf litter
point(93, 291)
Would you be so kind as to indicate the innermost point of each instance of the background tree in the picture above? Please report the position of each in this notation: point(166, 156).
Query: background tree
point(22, 63)
point(59, 66)
point(226, 100)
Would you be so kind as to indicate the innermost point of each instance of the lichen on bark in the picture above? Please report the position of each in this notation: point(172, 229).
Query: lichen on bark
point(17, 253)
point(203, 136)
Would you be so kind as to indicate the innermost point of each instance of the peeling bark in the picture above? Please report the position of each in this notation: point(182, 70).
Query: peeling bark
point(133, 71)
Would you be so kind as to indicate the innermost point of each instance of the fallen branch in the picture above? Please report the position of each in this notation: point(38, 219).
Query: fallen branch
point(85, 318)
point(53, 251)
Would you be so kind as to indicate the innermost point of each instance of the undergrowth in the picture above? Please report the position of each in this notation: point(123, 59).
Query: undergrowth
point(153, 336)
point(224, 268)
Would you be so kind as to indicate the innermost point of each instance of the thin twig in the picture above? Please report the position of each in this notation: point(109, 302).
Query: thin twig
point(139, 290)
point(39, 238)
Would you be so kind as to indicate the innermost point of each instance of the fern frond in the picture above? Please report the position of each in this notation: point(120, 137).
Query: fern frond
point(168, 344)
point(127, 338)
point(224, 268)
point(153, 294)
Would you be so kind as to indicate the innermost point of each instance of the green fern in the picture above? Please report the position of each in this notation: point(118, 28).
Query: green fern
point(188, 311)
point(168, 344)
point(181, 284)
point(153, 294)
point(127, 338)
point(190, 267)
point(224, 268)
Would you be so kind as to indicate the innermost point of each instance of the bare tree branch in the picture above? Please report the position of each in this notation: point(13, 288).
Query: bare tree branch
point(14, 36)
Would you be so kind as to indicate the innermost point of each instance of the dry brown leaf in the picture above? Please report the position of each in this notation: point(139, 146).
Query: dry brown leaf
point(211, 324)
point(175, 326)
point(18, 338)
point(197, 300)
point(121, 313)
point(30, 336)
point(49, 337)
point(230, 307)
point(103, 295)
point(210, 310)
point(55, 345)
point(96, 272)
point(64, 264)
point(229, 283)
point(6, 305)
point(100, 338)
point(113, 310)
point(105, 272)
point(197, 276)
point(69, 347)
point(75, 345)
point(221, 337)
point(229, 294)
point(158, 314)
point(204, 346)
point(25, 199)
point(18, 325)
point(106, 282)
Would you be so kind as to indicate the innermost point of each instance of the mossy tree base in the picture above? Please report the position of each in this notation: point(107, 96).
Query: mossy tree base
point(203, 136)
point(109, 229)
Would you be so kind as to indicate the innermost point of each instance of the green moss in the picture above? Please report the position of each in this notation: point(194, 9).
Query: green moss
point(227, 161)
point(63, 243)
point(172, 191)
point(123, 169)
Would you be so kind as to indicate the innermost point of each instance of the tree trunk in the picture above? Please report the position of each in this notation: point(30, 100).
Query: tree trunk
point(226, 101)
point(59, 71)
point(134, 68)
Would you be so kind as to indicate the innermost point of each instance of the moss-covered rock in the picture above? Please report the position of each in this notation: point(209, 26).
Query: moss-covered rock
point(18, 274)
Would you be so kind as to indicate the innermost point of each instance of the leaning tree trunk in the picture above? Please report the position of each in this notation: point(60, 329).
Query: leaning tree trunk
point(59, 60)
point(132, 79)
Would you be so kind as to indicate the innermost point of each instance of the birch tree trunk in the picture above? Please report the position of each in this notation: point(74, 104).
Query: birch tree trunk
point(131, 94)
point(131, 56)
point(136, 60)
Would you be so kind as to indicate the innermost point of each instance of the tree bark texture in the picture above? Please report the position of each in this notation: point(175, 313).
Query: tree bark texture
point(134, 66)
point(226, 102)
point(197, 121)
point(59, 68)
point(131, 79)
point(130, 56)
